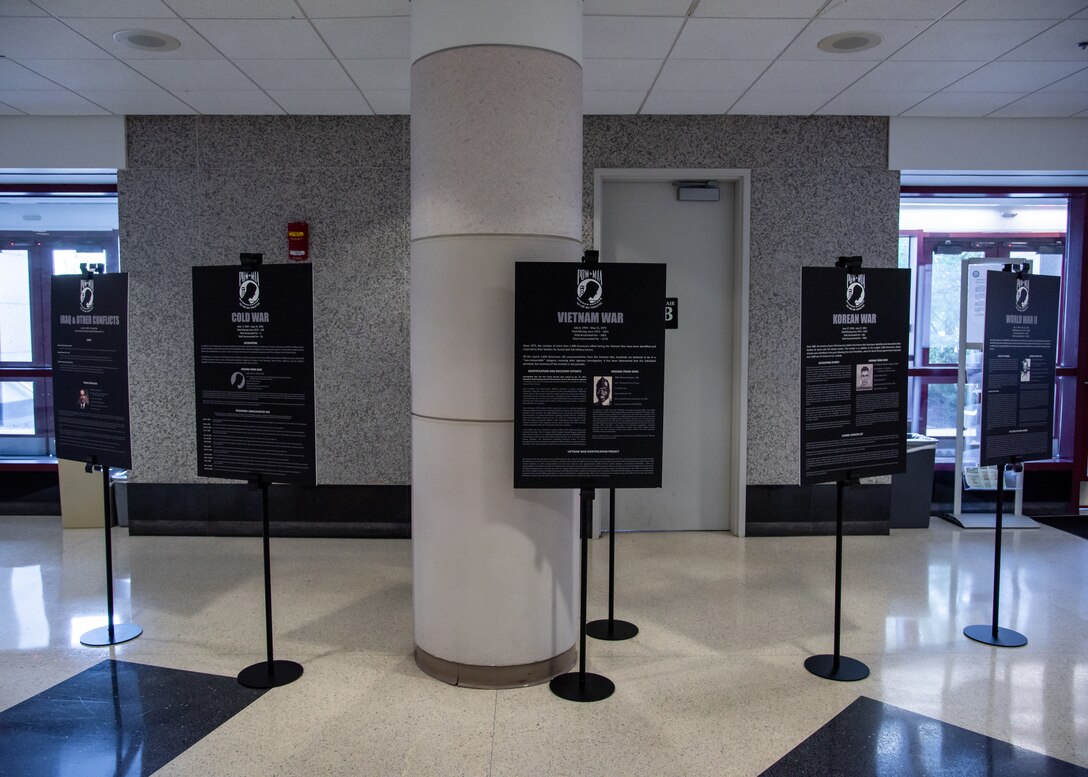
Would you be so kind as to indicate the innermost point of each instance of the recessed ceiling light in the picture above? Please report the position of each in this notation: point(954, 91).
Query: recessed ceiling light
point(849, 42)
point(147, 40)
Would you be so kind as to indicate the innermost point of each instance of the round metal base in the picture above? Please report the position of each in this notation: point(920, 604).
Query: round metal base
point(270, 674)
point(100, 637)
point(576, 686)
point(850, 669)
point(1004, 638)
point(612, 630)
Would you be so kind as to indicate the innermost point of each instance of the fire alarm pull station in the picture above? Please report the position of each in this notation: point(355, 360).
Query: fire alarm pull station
point(298, 241)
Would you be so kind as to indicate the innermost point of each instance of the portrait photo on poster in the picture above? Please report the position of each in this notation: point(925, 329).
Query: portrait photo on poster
point(84, 399)
point(863, 377)
point(602, 390)
point(1025, 370)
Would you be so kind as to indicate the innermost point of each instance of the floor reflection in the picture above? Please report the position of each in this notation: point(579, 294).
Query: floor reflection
point(116, 718)
point(870, 738)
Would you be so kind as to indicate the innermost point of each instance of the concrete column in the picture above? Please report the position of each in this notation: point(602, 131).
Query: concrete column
point(496, 145)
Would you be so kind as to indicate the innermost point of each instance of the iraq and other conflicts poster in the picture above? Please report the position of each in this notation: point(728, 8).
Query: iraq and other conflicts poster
point(90, 368)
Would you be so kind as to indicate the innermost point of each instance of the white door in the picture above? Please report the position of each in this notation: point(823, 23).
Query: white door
point(644, 222)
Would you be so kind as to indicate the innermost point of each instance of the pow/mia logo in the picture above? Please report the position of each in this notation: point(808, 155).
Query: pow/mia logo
point(590, 290)
point(86, 296)
point(1022, 294)
point(249, 289)
point(855, 291)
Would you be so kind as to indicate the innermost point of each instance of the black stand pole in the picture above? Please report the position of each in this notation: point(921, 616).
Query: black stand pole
point(583, 685)
point(611, 629)
point(837, 667)
point(991, 634)
point(268, 673)
point(110, 634)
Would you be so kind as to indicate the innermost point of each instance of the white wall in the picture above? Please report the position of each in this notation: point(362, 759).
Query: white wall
point(65, 142)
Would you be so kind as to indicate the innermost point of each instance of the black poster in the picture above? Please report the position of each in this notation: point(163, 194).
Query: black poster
point(254, 350)
point(589, 375)
point(90, 368)
point(1018, 367)
point(854, 350)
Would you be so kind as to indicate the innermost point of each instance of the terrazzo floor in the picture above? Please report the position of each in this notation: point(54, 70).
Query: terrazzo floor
point(714, 683)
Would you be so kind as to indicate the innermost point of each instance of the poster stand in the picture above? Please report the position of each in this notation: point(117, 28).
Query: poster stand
point(991, 634)
point(836, 666)
point(611, 629)
point(583, 685)
point(111, 633)
point(269, 673)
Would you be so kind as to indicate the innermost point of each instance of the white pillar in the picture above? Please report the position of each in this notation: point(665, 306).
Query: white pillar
point(496, 152)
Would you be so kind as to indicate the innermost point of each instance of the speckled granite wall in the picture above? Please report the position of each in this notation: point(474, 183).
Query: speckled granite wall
point(820, 189)
point(201, 190)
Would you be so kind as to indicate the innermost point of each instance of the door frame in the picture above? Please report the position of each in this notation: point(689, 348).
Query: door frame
point(741, 180)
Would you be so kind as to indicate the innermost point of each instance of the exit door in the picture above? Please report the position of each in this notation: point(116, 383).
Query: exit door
point(644, 222)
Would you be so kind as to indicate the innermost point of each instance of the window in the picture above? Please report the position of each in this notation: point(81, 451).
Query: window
point(27, 261)
point(937, 235)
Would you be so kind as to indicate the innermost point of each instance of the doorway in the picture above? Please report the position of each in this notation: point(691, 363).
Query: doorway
point(639, 218)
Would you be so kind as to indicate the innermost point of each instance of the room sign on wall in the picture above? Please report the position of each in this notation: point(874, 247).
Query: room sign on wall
point(854, 350)
point(254, 370)
point(589, 375)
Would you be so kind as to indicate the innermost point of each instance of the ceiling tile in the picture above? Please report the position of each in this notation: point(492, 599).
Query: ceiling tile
point(1016, 9)
point(60, 103)
point(969, 41)
point(759, 39)
point(628, 37)
point(636, 7)
point(236, 9)
point(248, 102)
point(198, 75)
point(101, 31)
point(611, 103)
point(44, 38)
point(1056, 44)
point(894, 76)
point(889, 9)
point(390, 102)
point(393, 74)
point(306, 102)
point(1042, 104)
point(894, 35)
point(619, 75)
point(1078, 82)
point(696, 103)
point(780, 103)
point(15, 76)
point(343, 9)
point(80, 74)
point(262, 38)
point(962, 104)
point(1014, 76)
point(791, 76)
point(371, 38)
point(765, 9)
point(139, 103)
point(861, 103)
point(295, 74)
point(710, 74)
point(7, 110)
point(20, 8)
point(107, 9)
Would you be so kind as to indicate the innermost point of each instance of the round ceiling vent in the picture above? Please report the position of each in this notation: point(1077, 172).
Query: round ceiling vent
point(849, 42)
point(147, 40)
